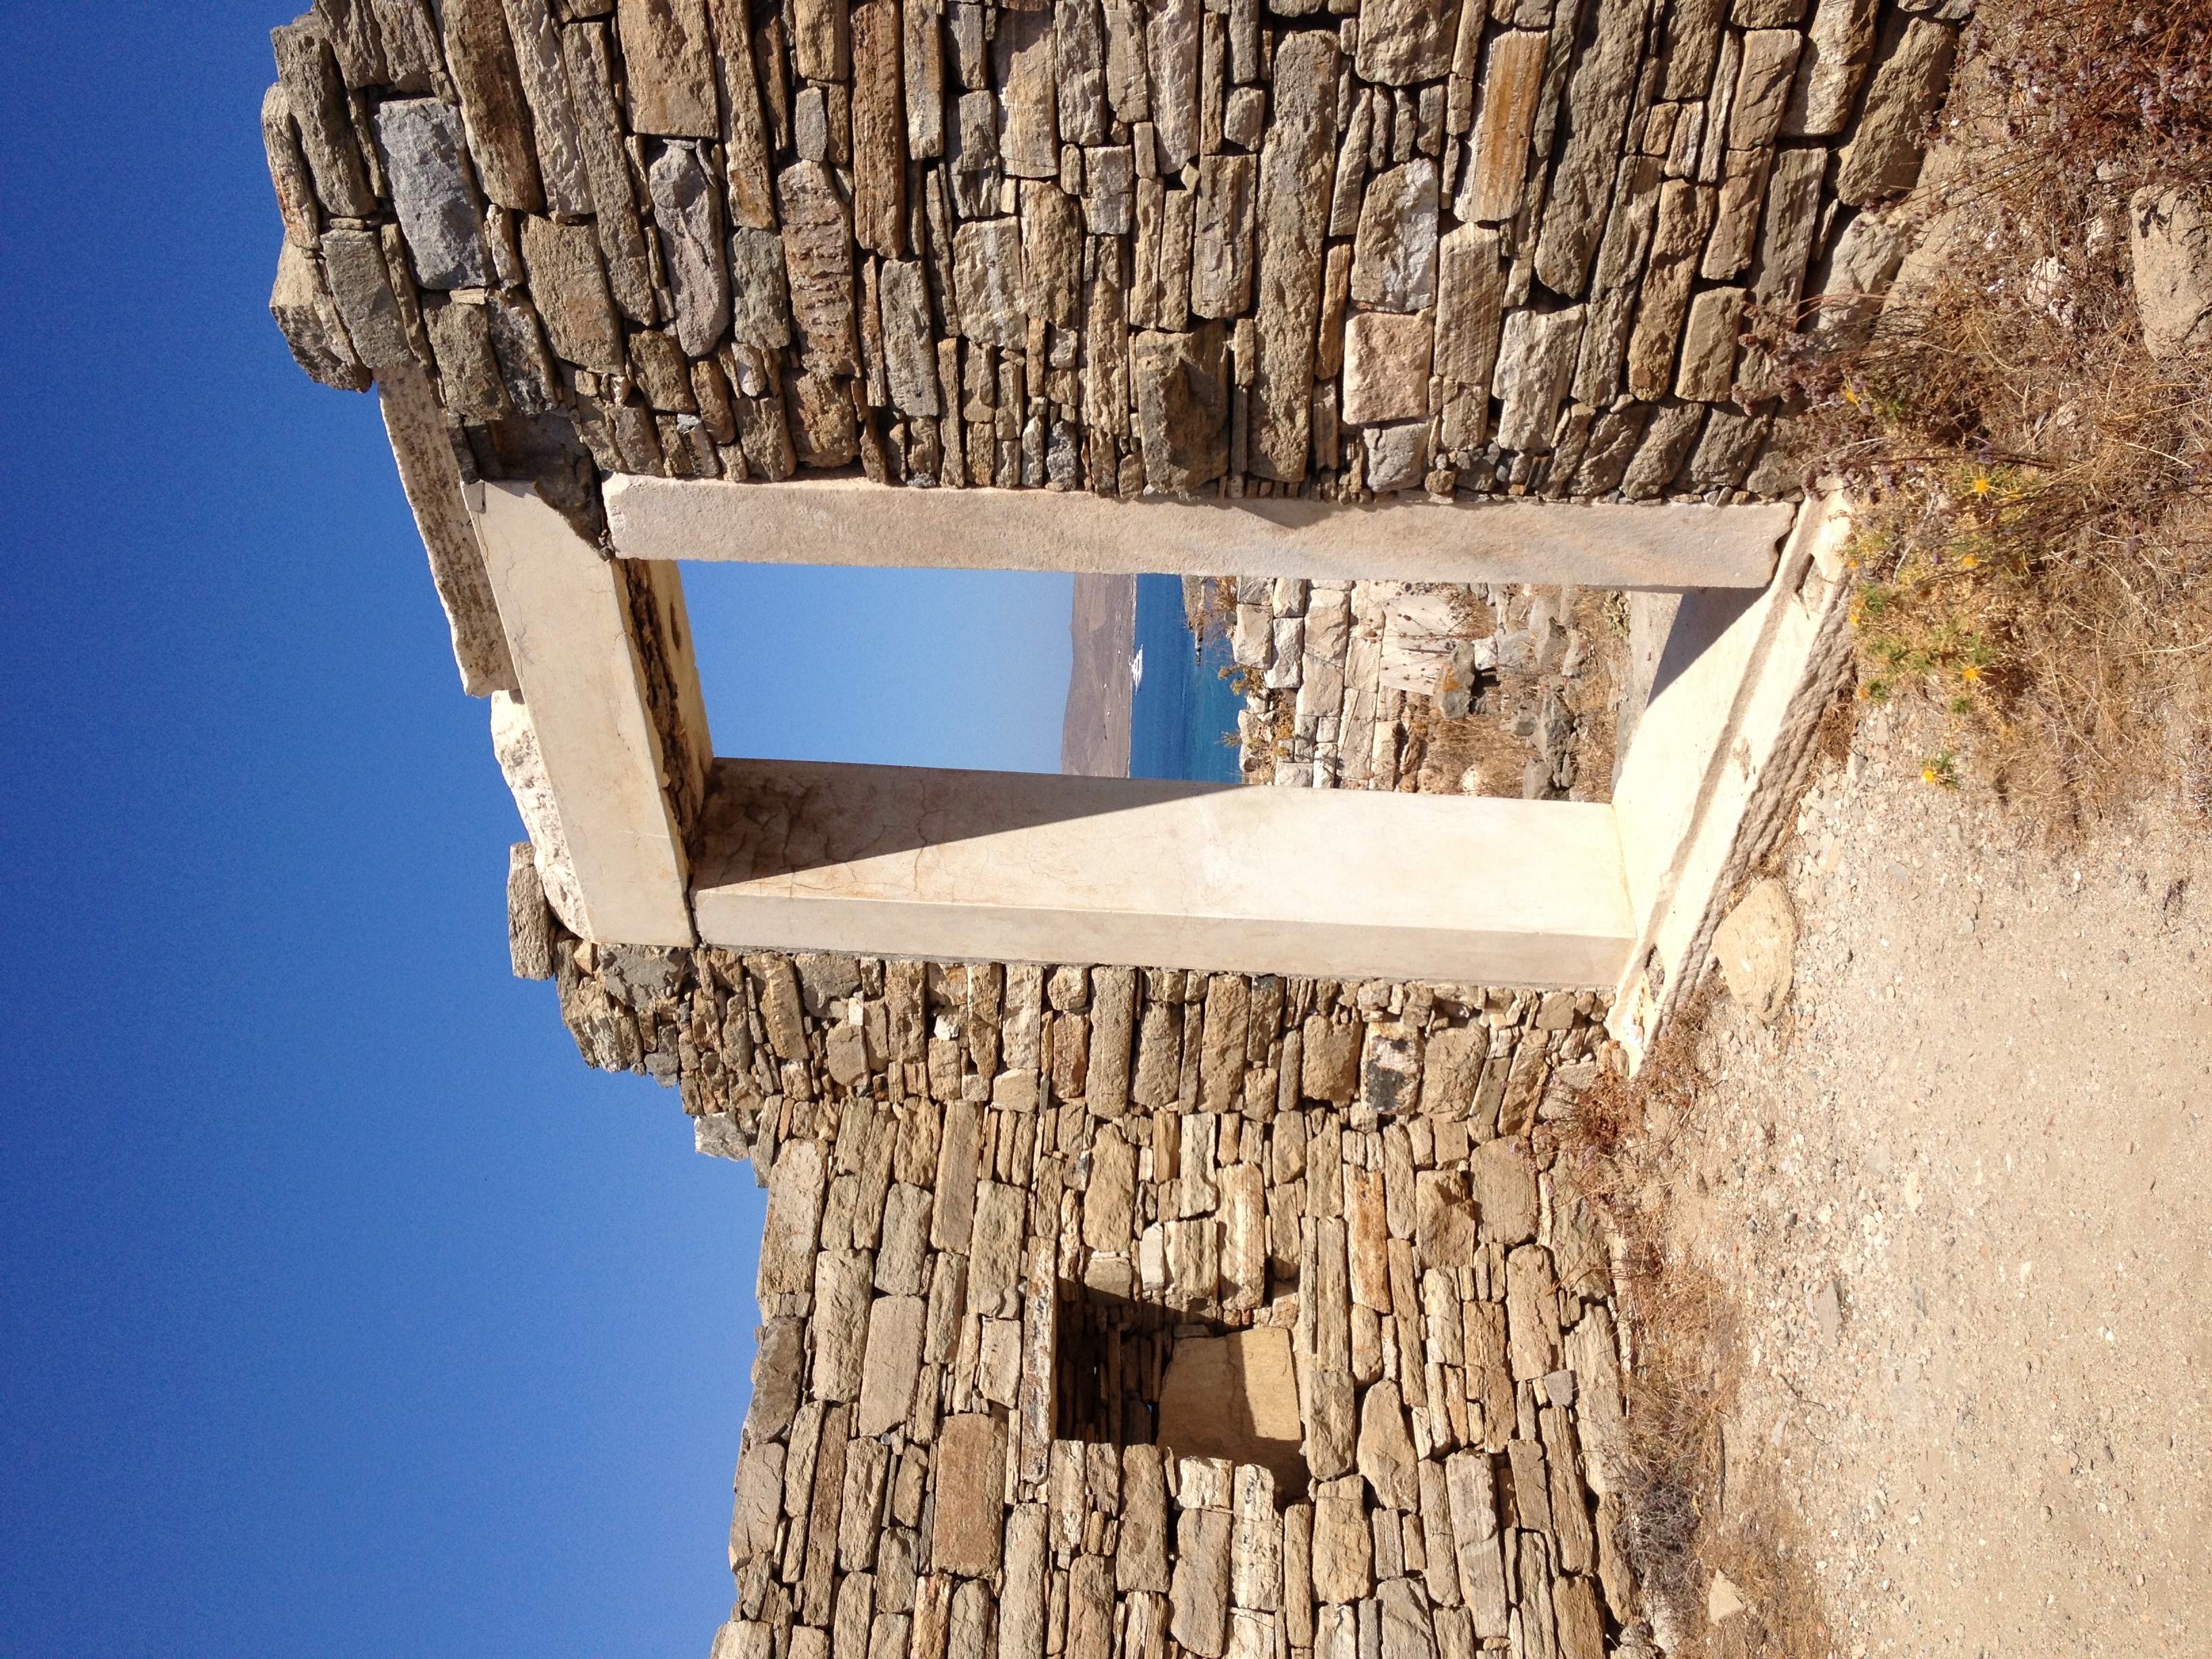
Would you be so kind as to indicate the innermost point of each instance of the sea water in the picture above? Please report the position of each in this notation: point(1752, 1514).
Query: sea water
point(1182, 709)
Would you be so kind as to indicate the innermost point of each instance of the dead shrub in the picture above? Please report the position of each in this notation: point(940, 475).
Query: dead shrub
point(1687, 1514)
point(2033, 555)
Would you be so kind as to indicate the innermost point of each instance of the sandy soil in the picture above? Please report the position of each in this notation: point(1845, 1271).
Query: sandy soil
point(1963, 1189)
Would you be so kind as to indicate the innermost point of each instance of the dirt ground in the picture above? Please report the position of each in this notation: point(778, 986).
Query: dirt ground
point(1962, 1191)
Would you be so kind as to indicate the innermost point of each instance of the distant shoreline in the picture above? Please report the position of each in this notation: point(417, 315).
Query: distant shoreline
point(1094, 733)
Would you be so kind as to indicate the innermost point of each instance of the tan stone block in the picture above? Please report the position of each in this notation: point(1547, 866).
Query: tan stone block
point(1532, 1313)
point(893, 1360)
point(1343, 1546)
point(970, 1469)
point(1141, 1561)
point(1386, 367)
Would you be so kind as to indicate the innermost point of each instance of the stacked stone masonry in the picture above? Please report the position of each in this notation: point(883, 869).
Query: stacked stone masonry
point(1003, 1197)
point(1351, 685)
point(1327, 248)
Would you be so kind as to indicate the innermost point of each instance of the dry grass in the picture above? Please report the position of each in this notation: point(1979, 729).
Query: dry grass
point(2033, 558)
point(1688, 1515)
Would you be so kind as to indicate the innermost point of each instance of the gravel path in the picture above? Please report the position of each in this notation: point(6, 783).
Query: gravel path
point(1963, 1187)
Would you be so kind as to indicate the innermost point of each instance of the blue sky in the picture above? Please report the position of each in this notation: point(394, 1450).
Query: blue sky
point(342, 1311)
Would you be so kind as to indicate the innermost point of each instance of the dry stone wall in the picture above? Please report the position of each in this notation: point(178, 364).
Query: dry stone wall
point(1327, 248)
point(1002, 1198)
point(1425, 688)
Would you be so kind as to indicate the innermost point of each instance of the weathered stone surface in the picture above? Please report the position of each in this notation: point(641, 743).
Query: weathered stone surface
point(879, 122)
point(902, 1259)
point(421, 444)
point(1128, 81)
point(1109, 181)
point(1394, 261)
point(1444, 1224)
point(861, 1511)
point(1244, 1238)
point(316, 97)
point(1091, 1609)
point(909, 352)
point(361, 285)
point(1730, 248)
point(669, 56)
point(1406, 1633)
point(760, 295)
point(795, 1219)
point(1221, 257)
point(288, 169)
point(1512, 79)
point(1226, 1035)
point(759, 1507)
point(1403, 42)
point(987, 258)
point(1022, 52)
point(995, 1261)
point(1386, 1449)
point(422, 140)
point(1693, 42)
point(1160, 295)
point(1113, 1012)
point(892, 1362)
point(1762, 86)
point(1256, 1548)
point(1331, 1066)
point(1297, 1575)
point(481, 55)
point(590, 60)
point(1052, 254)
point(1171, 41)
point(2170, 238)
point(1596, 1361)
point(1295, 168)
point(1079, 72)
point(529, 919)
point(1686, 217)
point(843, 1281)
point(1198, 1595)
point(972, 1626)
point(1614, 283)
point(1791, 217)
point(1709, 345)
point(350, 28)
point(970, 1470)
point(1330, 1429)
point(1141, 1561)
point(1599, 103)
point(1397, 456)
point(1756, 945)
point(687, 211)
point(1021, 1591)
point(817, 253)
point(1883, 157)
point(1837, 48)
point(1386, 378)
point(1367, 1237)
point(1536, 357)
point(1668, 441)
point(1474, 1498)
point(553, 117)
point(1504, 1190)
point(412, 62)
point(1343, 1548)
point(1532, 1313)
point(571, 291)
